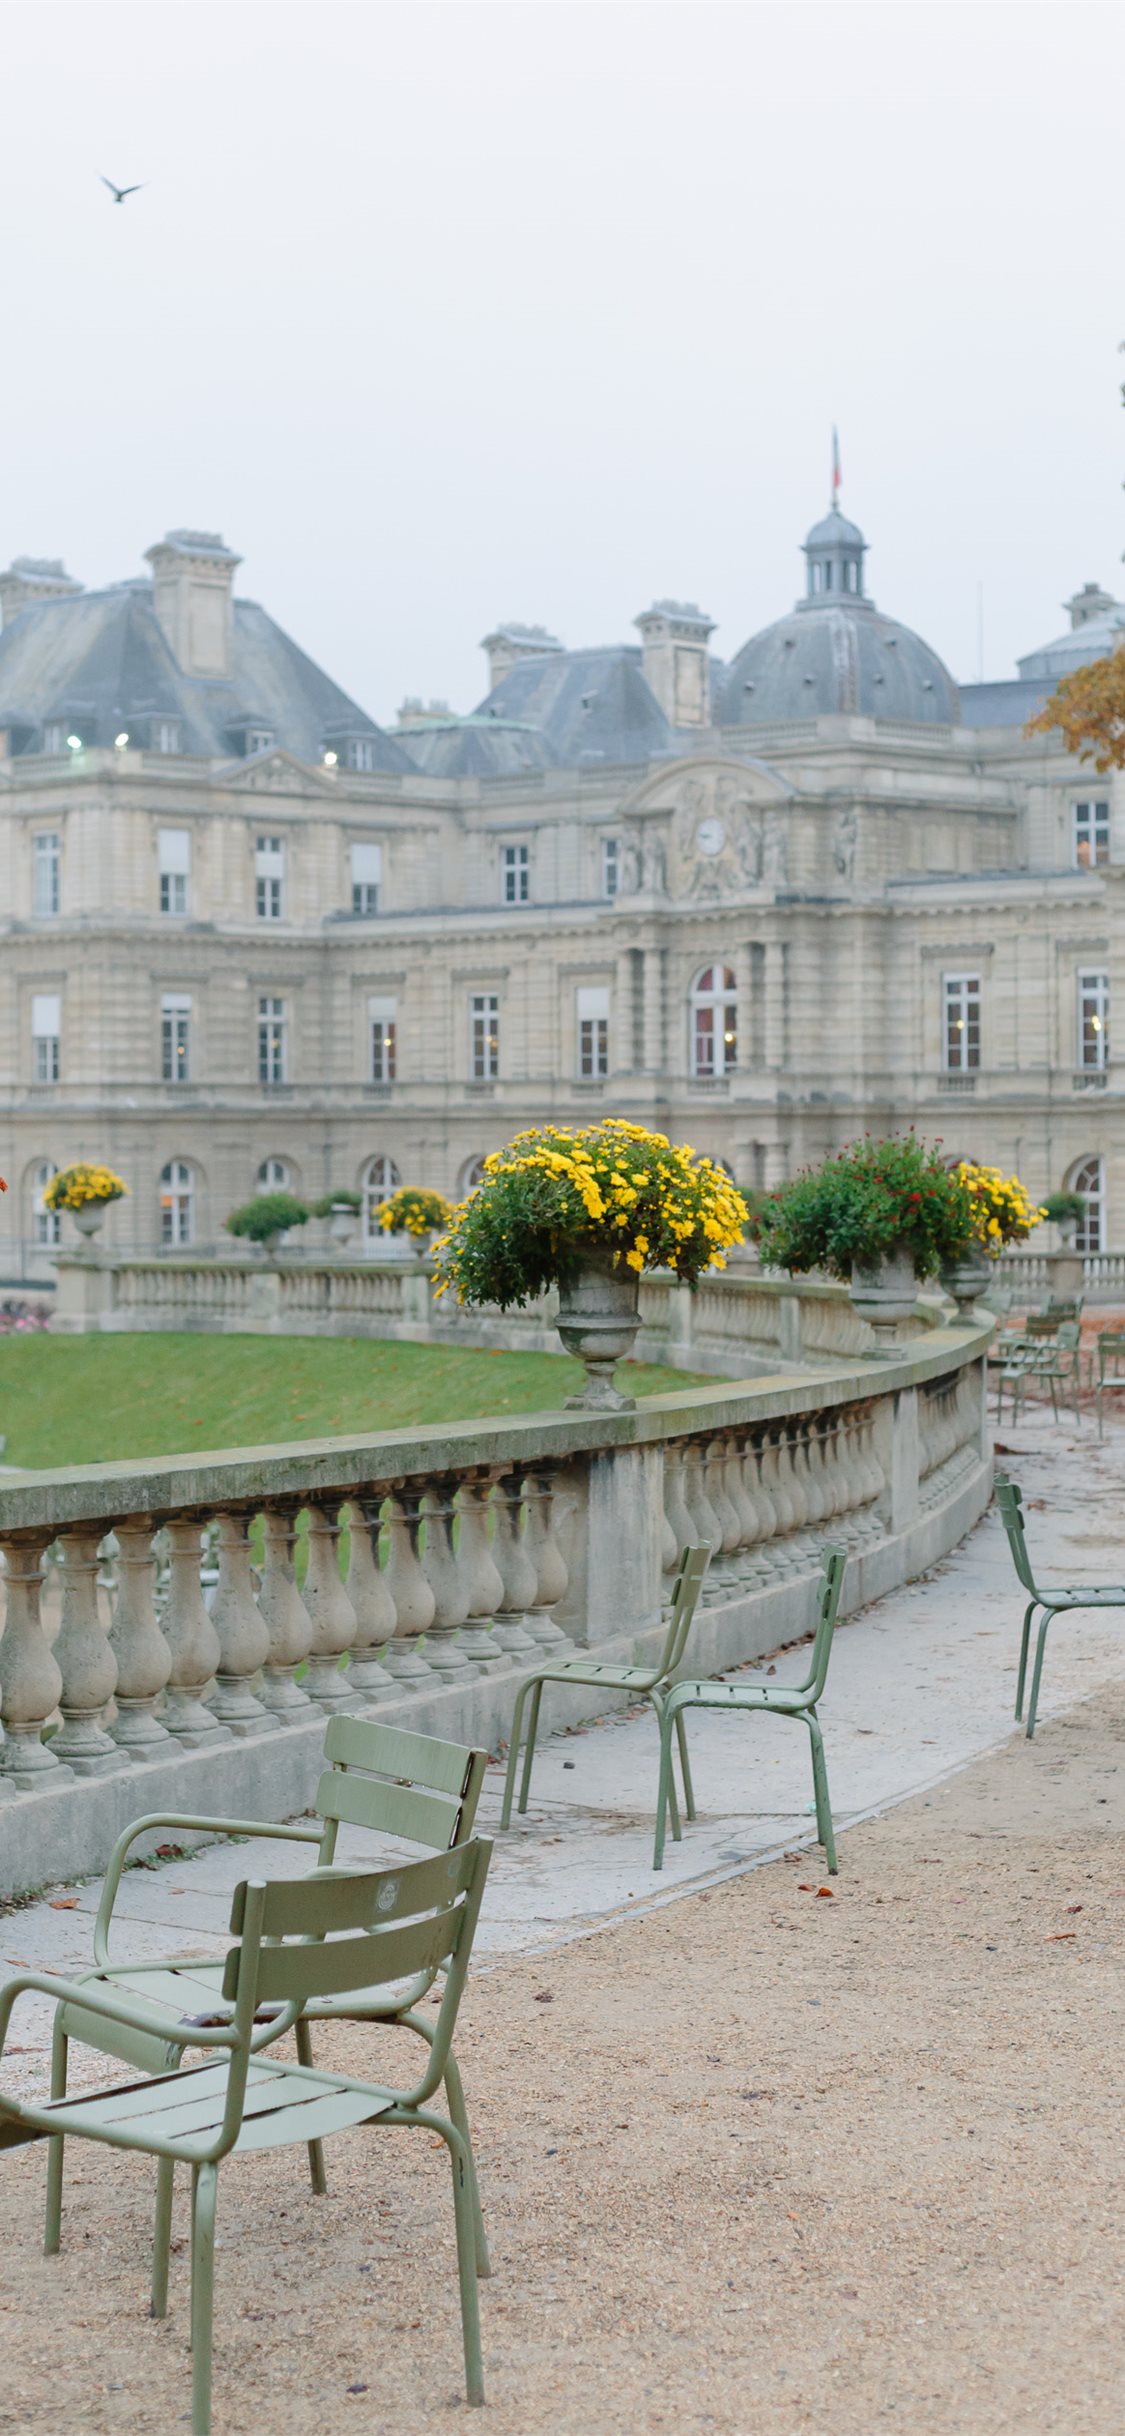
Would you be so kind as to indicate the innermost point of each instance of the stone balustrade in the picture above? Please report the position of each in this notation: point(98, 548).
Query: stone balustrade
point(178, 1630)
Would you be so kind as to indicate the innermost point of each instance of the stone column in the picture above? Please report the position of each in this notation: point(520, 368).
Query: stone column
point(287, 1618)
point(30, 1680)
point(193, 1641)
point(333, 1616)
point(244, 1639)
point(616, 1587)
point(144, 1660)
point(87, 1663)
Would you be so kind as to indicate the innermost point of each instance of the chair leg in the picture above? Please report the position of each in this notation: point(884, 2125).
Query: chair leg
point(162, 2236)
point(205, 2179)
point(1024, 1639)
point(317, 2175)
point(665, 1789)
point(459, 2115)
point(1033, 1703)
point(514, 1752)
point(824, 1826)
point(529, 1746)
point(463, 2215)
point(685, 1763)
point(52, 2236)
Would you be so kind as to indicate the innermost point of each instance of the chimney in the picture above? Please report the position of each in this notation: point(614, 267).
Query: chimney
point(674, 635)
point(192, 575)
point(511, 643)
point(32, 579)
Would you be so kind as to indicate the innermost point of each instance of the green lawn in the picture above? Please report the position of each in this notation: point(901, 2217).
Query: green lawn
point(97, 1399)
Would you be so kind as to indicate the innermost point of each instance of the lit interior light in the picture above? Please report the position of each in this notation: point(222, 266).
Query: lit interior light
point(74, 744)
point(122, 740)
point(330, 760)
point(1096, 1023)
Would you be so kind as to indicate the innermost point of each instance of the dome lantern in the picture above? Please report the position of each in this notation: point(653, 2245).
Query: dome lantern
point(834, 554)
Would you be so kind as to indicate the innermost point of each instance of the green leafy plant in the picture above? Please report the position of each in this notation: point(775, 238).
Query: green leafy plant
point(556, 1199)
point(871, 1199)
point(415, 1211)
point(348, 1198)
point(267, 1216)
point(1063, 1209)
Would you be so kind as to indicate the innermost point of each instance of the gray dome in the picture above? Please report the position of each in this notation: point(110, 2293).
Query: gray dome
point(834, 528)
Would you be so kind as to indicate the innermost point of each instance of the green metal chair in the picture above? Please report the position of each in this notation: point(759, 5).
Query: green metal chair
point(766, 1699)
point(377, 1777)
point(1050, 1358)
point(300, 1942)
point(1111, 1368)
point(1053, 1602)
point(643, 1682)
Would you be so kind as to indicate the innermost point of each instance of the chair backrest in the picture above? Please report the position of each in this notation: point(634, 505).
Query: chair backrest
point(833, 1562)
point(1010, 1501)
point(685, 1599)
point(1111, 1353)
point(324, 1936)
point(1043, 1323)
point(1069, 1336)
point(397, 1783)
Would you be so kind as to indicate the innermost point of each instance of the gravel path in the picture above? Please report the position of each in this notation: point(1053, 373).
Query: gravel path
point(764, 2162)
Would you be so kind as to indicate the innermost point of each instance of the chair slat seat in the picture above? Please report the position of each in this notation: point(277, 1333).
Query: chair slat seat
point(284, 2103)
point(707, 1694)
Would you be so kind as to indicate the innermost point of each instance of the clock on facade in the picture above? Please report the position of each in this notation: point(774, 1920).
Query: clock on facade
point(710, 837)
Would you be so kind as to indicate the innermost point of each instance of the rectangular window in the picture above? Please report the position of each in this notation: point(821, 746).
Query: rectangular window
point(611, 872)
point(1093, 1021)
point(360, 753)
point(174, 846)
point(273, 1054)
point(485, 1038)
point(167, 737)
point(962, 1022)
point(381, 1017)
point(592, 1013)
point(54, 737)
point(367, 872)
point(175, 1039)
point(45, 872)
point(46, 1013)
point(269, 867)
point(259, 739)
point(1091, 834)
point(515, 865)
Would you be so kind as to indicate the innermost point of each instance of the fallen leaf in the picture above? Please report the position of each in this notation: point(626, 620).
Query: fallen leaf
point(64, 1903)
point(1060, 1936)
point(826, 1890)
point(1074, 1907)
point(546, 1996)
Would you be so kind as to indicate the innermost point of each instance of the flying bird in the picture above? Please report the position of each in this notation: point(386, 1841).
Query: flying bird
point(119, 192)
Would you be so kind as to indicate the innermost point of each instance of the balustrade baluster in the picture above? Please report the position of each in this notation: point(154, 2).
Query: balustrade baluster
point(705, 1524)
point(244, 1635)
point(144, 1660)
point(735, 1485)
point(785, 1556)
point(486, 1587)
point(372, 1601)
point(551, 1574)
point(765, 1519)
point(413, 1598)
point(30, 1679)
point(517, 1572)
point(288, 1621)
point(676, 1514)
point(192, 1640)
point(446, 1580)
point(332, 1614)
point(726, 1513)
point(86, 1662)
point(805, 1541)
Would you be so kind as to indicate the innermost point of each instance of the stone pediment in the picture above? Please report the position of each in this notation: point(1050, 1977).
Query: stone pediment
point(707, 828)
point(277, 772)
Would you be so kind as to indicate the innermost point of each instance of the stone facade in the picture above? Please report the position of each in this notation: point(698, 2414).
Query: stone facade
point(239, 945)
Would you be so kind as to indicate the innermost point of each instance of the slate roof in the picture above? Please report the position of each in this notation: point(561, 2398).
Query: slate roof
point(1007, 703)
point(836, 655)
point(589, 706)
point(479, 748)
point(100, 662)
point(1094, 639)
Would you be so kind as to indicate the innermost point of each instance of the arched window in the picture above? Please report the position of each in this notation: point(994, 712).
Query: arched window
point(714, 1023)
point(46, 1225)
point(177, 1203)
point(1089, 1180)
point(275, 1176)
point(470, 1175)
point(380, 1177)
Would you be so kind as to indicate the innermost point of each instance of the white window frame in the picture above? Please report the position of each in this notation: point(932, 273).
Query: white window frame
point(177, 1204)
point(175, 1037)
point(269, 878)
point(273, 1041)
point(274, 1176)
point(360, 753)
point(484, 1036)
point(1089, 833)
point(46, 1028)
point(380, 1178)
point(46, 1225)
point(591, 1023)
point(173, 849)
point(961, 1023)
point(515, 873)
point(714, 1023)
point(367, 875)
point(54, 736)
point(382, 1039)
point(167, 735)
point(1093, 1021)
point(1088, 1178)
point(46, 861)
point(259, 739)
point(611, 867)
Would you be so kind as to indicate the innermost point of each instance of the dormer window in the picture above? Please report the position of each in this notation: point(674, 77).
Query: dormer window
point(166, 735)
point(54, 737)
point(259, 739)
point(359, 753)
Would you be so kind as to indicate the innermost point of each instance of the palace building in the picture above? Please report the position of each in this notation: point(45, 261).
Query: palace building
point(251, 938)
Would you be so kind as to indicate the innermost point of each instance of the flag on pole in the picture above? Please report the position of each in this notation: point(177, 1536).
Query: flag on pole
point(835, 467)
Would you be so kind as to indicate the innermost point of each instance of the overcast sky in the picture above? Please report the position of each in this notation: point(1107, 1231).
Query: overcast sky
point(445, 314)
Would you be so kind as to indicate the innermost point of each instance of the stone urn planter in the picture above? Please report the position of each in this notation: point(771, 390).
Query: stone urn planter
point(884, 1292)
point(342, 1223)
point(598, 1321)
point(967, 1279)
point(89, 1218)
